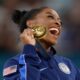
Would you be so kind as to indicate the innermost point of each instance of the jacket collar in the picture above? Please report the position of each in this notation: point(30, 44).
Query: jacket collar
point(42, 53)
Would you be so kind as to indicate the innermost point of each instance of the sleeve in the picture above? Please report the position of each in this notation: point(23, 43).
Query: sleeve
point(18, 70)
point(29, 50)
point(78, 74)
point(76, 70)
point(10, 70)
point(32, 71)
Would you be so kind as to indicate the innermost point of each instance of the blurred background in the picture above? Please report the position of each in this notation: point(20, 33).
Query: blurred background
point(69, 41)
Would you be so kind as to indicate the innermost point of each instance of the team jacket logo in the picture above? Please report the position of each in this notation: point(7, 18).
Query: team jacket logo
point(64, 68)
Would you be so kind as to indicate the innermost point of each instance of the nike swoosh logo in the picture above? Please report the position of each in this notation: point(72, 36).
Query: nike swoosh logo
point(43, 69)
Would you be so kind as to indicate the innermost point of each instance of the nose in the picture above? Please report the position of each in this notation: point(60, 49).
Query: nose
point(58, 23)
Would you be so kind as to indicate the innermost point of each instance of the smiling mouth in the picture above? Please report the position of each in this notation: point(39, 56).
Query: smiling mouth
point(54, 31)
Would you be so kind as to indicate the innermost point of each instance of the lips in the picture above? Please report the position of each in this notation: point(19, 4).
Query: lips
point(54, 31)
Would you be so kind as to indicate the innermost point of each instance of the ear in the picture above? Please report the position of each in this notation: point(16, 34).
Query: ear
point(30, 23)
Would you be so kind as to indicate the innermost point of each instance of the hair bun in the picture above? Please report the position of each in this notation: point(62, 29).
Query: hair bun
point(17, 16)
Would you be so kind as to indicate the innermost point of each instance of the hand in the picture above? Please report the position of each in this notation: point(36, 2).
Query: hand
point(27, 37)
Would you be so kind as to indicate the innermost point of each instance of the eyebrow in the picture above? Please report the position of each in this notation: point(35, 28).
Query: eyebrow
point(52, 14)
point(49, 13)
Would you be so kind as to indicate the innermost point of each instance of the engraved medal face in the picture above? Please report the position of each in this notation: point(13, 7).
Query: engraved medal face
point(39, 31)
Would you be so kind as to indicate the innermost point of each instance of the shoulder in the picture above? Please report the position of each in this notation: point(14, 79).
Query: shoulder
point(67, 66)
point(11, 66)
point(59, 58)
point(65, 62)
point(12, 61)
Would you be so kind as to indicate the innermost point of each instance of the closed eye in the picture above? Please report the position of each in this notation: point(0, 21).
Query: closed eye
point(49, 16)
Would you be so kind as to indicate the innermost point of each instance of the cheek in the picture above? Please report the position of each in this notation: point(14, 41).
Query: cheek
point(51, 38)
point(42, 21)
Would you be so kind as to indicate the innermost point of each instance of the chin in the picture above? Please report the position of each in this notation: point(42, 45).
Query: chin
point(52, 40)
point(51, 43)
point(54, 43)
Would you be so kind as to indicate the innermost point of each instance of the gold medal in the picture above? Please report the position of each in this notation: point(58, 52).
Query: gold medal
point(39, 31)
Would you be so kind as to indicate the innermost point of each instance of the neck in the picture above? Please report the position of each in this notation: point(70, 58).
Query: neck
point(45, 45)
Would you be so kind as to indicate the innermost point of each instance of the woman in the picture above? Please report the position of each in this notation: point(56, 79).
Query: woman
point(39, 61)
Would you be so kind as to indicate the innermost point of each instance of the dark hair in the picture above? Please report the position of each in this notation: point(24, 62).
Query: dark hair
point(20, 17)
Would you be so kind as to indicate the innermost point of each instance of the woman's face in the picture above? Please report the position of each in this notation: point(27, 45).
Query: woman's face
point(51, 20)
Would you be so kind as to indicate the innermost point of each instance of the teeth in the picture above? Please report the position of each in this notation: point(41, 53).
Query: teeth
point(54, 29)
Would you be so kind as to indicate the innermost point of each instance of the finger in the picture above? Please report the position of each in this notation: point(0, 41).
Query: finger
point(29, 33)
point(22, 37)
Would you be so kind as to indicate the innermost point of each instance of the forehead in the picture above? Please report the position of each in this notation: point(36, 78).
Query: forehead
point(49, 11)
